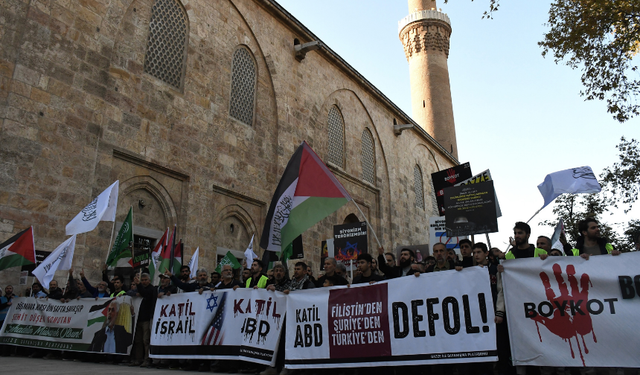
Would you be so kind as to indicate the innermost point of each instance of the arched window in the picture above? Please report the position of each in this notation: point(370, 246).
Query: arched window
point(368, 157)
point(167, 45)
point(243, 85)
point(336, 137)
point(418, 186)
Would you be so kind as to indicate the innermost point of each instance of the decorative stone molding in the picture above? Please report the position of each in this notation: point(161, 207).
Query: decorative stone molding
point(426, 34)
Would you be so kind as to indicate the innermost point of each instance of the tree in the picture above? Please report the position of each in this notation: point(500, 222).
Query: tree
point(601, 38)
point(633, 232)
point(621, 179)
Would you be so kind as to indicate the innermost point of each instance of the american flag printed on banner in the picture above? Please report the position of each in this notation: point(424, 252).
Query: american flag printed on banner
point(214, 335)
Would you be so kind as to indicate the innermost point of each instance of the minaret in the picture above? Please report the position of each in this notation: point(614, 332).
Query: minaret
point(425, 35)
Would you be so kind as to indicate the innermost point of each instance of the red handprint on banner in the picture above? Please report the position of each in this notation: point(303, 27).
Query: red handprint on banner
point(570, 318)
point(451, 176)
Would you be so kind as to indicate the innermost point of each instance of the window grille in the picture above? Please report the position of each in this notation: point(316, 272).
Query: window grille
point(243, 86)
point(368, 158)
point(336, 137)
point(418, 187)
point(166, 47)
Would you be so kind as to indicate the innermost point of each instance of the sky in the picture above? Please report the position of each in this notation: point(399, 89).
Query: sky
point(516, 113)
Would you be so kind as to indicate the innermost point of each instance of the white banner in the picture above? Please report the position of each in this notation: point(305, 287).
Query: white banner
point(104, 325)
point(101, 208)
point(60, 259)
point(567, 311)
point(224, 324)
point(441, 317)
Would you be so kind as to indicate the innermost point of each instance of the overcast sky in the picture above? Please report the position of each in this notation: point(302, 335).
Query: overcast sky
point(516, 113)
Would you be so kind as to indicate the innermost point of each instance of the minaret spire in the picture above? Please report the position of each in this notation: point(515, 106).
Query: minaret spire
point(425, 34)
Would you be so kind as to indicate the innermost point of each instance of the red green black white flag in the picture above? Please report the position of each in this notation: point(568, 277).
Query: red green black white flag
point(307, 193)
point(18, 250)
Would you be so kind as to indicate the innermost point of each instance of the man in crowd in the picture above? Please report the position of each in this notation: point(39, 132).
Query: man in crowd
point(246, 274)
point(201, 282)
point(390, 259)
point(407, 257)
point(330, 265)
point(141, 287)
point(166, 288)
point(257, 279)
point(54, 291)
point(280, 279)
point(522, 248)
point(5, 304)
point(100, 291)
point(300, 278)
point(36, 290)
point(443, 263)
point(366, 271)
point(465, 251)
point(215, 278)
point(544, 243)
point(228, 281)
point(82, 290)
point(118, 285)
point(341, 270)
point(185, 278)
point(590, 241)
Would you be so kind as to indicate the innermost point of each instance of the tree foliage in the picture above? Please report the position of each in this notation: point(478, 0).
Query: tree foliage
point(622, 178)
point(601, 38)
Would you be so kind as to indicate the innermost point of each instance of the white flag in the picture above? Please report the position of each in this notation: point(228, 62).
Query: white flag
point(59, 260)
point(249, 254)
point(555, 239)
point(572, 181)
point(102, 208)
point(193, 263)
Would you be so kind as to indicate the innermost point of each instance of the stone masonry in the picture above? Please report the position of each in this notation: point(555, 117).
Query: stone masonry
point(78, 111)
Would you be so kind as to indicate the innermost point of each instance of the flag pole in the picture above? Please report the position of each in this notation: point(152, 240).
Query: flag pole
point(365, 219)
point(110, 241)
point(534, 215)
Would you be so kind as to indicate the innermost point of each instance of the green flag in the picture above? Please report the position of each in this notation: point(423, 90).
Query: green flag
point(228, 259)
point(120, 255)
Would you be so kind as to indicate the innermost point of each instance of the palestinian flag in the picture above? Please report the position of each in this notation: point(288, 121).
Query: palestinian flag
point(307, 193)
point(18, 250)
point(120, 255)
point(154, 262)
point(171, 256)
point(98, 313)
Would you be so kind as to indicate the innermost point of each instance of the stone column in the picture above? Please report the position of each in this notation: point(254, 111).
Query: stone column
point(425, 36)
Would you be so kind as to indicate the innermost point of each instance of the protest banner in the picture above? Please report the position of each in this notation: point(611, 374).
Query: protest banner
point(243, 324)
point(470, 209)
point(571, 312)
point(438, 233)
point(349, 241)
point(404, 321)
point(78, 325)
point(483, 176)
point(447, 178)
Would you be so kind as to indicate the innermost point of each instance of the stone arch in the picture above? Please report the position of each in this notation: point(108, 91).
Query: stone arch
point(351, 218)
point(155, 190)
point(233, 229)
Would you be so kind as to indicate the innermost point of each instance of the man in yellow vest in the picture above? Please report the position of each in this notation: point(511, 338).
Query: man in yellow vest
point(590, 241)
point(257, 279)
point(522, 247)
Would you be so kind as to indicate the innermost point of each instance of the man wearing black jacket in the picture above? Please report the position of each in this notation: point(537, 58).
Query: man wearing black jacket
point(141, 287)
point(407, 257)
point(366, 275)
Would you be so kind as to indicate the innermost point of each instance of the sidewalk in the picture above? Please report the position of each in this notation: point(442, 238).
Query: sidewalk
point(22, 365)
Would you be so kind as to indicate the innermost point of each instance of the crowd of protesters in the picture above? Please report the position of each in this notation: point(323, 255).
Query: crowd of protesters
point(369, 270)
